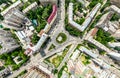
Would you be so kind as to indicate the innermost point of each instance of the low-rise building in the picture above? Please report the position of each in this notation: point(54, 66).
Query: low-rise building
point(75, 67)
point(17, 60)
point(31, 6)
point(24, 39)
point(2, 6)
point(106, 25)
point(36, 72)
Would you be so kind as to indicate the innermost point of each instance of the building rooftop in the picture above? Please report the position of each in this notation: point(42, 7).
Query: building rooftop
point(53, 14)
point(86, 22)
point(35, 72)
point(31, 6)
point(14, 5)
point(88, 52)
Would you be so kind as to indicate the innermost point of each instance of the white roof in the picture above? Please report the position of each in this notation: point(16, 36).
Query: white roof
point(31, 28)
point(47, 28)
point(114, 44)
point(16, 4)
point(115, 8)
point(40, 42)
point(88, 52)
point(115, 55)
point(88, 19)
point(30, 7)
point(105, 28)
point(75, 55)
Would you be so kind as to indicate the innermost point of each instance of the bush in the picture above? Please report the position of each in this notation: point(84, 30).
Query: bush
point(93, 3)
point(115, 17)
point(80, 21)
point(102, 52)
point(55, 71)
point(51, 47)
point(106, 5)
point(41, 14)
point(92, 46)
point(61, 70)
point(117, 48)
point(104, 37)
point(8, 58)
point(35, 38)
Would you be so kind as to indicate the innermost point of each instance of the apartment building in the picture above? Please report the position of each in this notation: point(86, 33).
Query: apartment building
point(7, 42)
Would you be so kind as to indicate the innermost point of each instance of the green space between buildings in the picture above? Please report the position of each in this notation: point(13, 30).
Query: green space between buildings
point(8, 58)
point(52, 47)
point(62, 36)
point(56, 59)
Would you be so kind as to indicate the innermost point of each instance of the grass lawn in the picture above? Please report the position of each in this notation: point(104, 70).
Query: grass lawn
point(41, 14)
point(63, 38)
point(104, 37)
point(0, 46)
point(8, 58)
point(61, 70)
point(85, 59)
point(56, 59)
point(52, 47)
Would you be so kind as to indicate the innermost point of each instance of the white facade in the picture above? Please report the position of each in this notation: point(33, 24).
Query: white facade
point(86, 22)
point(15, 20)
point(89, 38)
point(47, 28)
point(114, 44)
point(14, 5)
point(101, 63)
point(75, 55)
point(114, 8)
point(7, 42)
point(40, 42)
point(23, 38)
point(88, 52)
point(115, 56)
point(45, 2)
point(33, 5)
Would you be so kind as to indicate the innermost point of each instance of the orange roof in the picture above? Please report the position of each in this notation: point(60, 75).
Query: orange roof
point(41, 32)
point(94, 31)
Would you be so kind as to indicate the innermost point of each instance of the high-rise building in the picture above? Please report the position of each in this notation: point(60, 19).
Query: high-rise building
point(7, 42)
point(15, 20)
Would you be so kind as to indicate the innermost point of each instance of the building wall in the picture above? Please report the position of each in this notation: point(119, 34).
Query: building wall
point(45, 2)
point(7, 42)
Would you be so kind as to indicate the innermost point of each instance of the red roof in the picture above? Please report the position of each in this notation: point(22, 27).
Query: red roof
point(54, 11)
